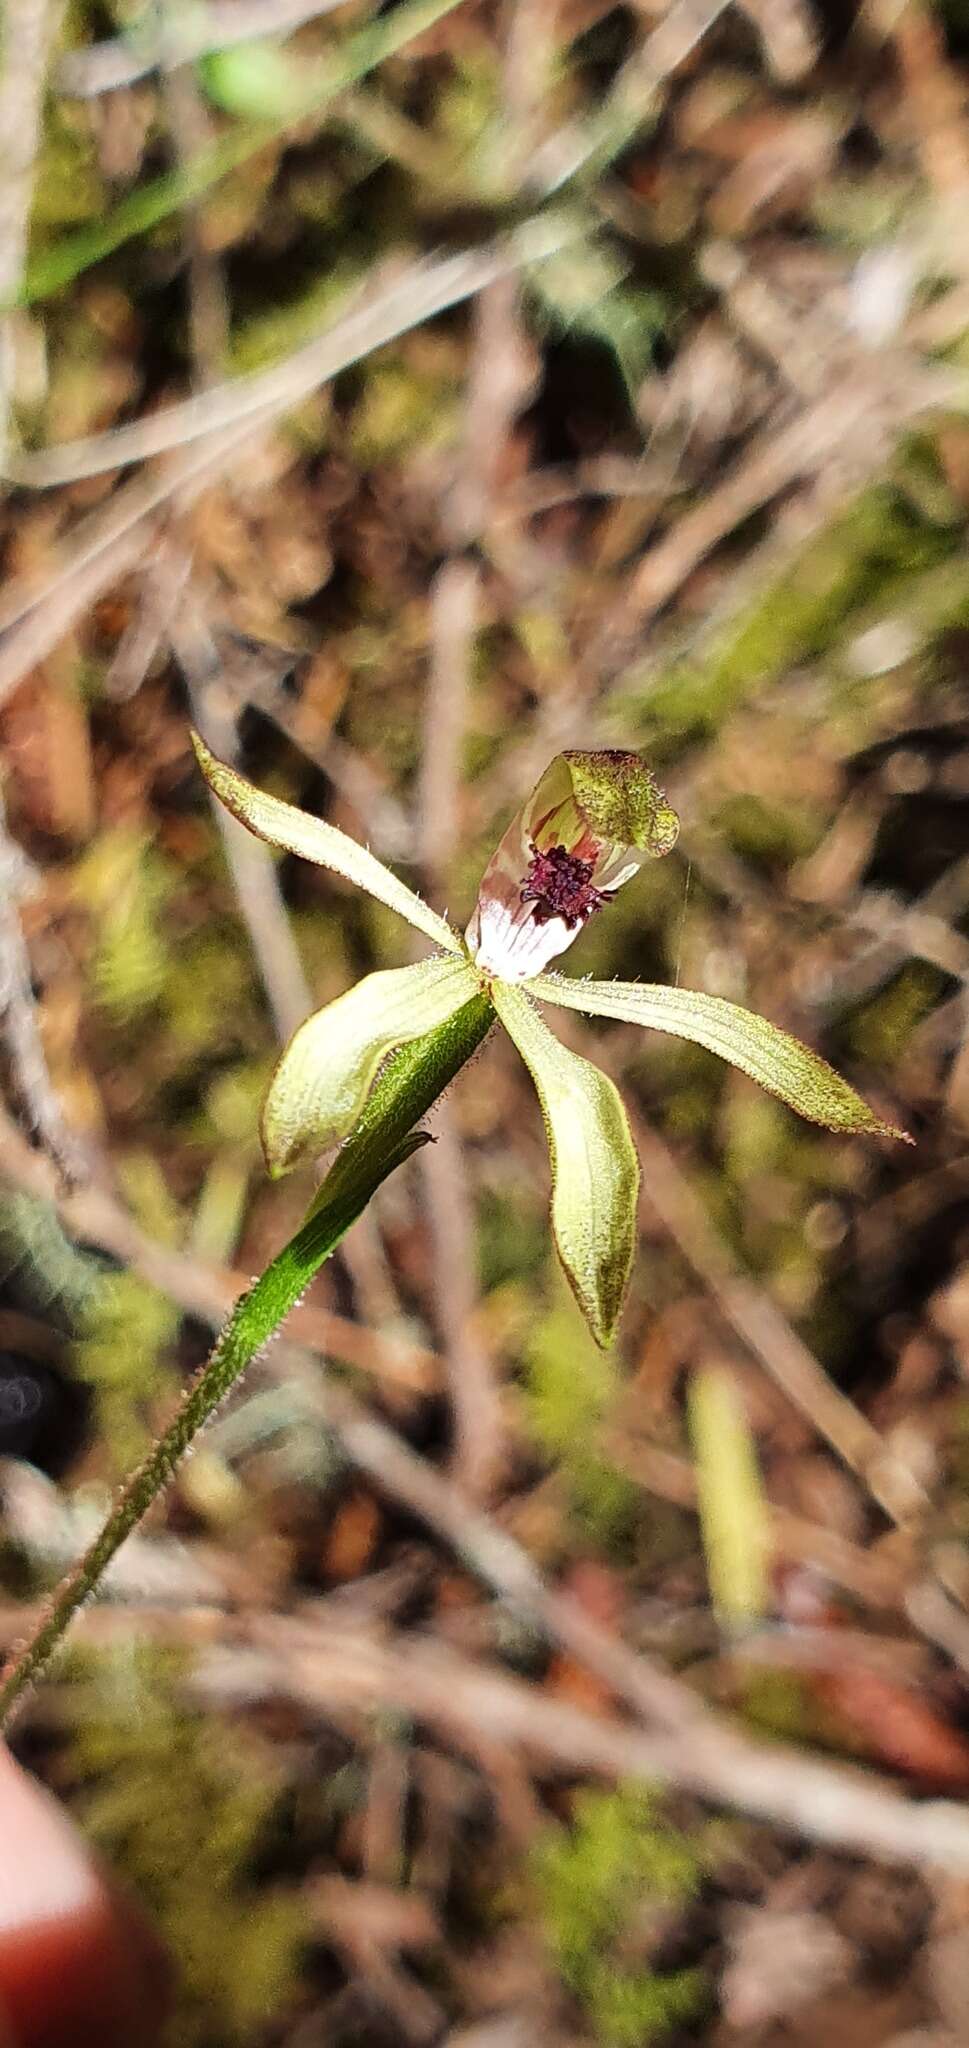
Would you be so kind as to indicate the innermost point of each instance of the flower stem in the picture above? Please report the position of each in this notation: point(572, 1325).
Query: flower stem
point(382, 1140)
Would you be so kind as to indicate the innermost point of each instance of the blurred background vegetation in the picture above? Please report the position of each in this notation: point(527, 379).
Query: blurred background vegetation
point(400, 394)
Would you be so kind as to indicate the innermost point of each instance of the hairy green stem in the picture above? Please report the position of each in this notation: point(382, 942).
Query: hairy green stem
point(383, 1138)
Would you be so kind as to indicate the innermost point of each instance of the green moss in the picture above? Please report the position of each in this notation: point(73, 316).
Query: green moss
point(126, 1329)
point(149, 1197)
point(512, 1238)
point(585, 292)
point(234, 1101)
point(125, 885)
point(631, 2008)
point(859, 211)
point(776, 1702)
point(871, 552)
point(593, 1883)
point(212, 994)
point(41, 1263)
point(883, 1027)
point(546, 644)
point(469, 102)
point(186, 1815)
point(757, 1135)
point(265, 337)
point(571, 1386)
point(767, 834)
point(127, 1333)
point(404, 405)
point(68, 189)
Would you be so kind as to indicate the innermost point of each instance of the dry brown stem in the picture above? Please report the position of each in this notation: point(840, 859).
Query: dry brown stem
point(27, 30)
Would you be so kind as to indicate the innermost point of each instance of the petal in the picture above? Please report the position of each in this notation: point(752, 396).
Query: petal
point(779, 1062)
point(595, 1172)
point(325, 1074)
point(295, 831)
point(588, 826)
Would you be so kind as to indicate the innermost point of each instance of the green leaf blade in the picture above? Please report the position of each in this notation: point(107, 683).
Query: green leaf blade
point(294, 831)
point(780, 1063)
point(734, 1515)
point(595, 1172)
point(325, 1074)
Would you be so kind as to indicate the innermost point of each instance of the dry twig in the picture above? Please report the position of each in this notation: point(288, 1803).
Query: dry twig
point(192, 134)
point(789, 35)
point(28, 28)
point(331, 1668)
point(381, 315)
point(19, 1030)
point(105, 547)
point(849, 433)
point(254, 874)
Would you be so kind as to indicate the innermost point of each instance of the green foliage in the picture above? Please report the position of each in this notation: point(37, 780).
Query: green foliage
point(632, 2008)
point(263, 336)
point(46, 1268)
point(619, 1859)
point(872, 552)
point(258, 81)
point(405, 405)
point(571, 1386)
point(125, 884)
point(67, 188)
point(768, 834)
point(211, 994)
point(127, 1334)
point(186, 1815)
point(882, 1028)
point(155, 203)
point(585, 292)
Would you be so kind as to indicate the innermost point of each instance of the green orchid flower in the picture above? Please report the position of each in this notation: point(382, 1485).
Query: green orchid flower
point(591, 822)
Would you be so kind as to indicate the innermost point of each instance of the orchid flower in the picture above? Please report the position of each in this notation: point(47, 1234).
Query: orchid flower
point(592, 821)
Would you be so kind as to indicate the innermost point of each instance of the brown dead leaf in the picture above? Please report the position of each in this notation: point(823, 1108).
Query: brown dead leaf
point(352, 1537)
point(894, 1725)
point(598, 1591)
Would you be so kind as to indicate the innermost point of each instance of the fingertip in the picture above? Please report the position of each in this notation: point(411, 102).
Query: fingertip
point(79, 1968)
